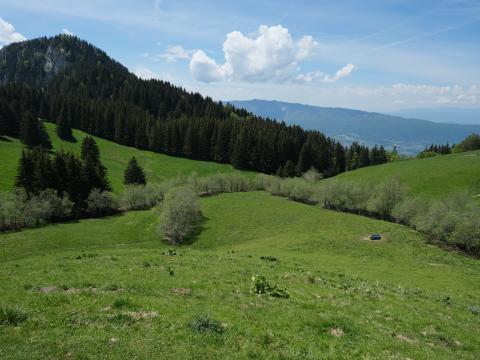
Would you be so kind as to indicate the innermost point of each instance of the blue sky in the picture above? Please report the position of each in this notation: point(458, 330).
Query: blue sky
point(370, 54)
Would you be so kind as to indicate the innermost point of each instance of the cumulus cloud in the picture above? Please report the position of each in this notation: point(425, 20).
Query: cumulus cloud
point(174, 53)
point(205, 68)
point(65, 31)
point(147, 74)
point(8, 34)
point(273, 55)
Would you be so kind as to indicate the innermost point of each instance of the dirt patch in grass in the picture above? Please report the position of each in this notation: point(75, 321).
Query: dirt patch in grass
point(337, 332)
point(47, 289)
point(404, 339)
point(142, 315)
point(181, 291)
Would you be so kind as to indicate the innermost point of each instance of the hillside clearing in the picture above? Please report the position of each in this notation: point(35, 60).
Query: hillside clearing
point(433, 177)
point(115, 157)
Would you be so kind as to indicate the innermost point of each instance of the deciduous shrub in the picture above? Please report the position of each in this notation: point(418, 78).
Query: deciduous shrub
point(385, 197)
point(180, 215)
point(100, 203)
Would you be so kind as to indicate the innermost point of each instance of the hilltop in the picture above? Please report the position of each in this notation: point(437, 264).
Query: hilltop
point(435, 177)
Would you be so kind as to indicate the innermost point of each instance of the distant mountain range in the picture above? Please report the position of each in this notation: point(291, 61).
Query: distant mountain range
point(442, 115)
point(346, 125)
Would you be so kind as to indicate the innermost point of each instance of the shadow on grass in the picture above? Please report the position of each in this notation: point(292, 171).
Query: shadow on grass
point(72, 139)
point(5, 139)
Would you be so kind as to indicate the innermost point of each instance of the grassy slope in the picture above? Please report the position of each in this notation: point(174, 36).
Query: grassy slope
point(115, 157)
point(388, 297)
point(433, 177)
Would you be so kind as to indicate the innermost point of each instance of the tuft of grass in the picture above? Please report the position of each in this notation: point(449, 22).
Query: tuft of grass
point(205, 324)
point(268, 258)
point(123, 303)
point(10, 316)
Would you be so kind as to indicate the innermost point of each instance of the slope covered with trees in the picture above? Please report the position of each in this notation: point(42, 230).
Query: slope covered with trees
point(157, 167)
point(68, 80)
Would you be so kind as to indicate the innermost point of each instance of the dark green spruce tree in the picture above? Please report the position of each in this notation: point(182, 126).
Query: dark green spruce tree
point(32, 132)
point(64, 130)
point(94, 174)
point(24, 178)
point(134, 174)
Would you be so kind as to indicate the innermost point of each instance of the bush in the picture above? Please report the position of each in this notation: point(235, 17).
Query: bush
point(344, 196)
point(11, 316)
point(141, 197)
point(17, 210)
point(410, 210)
point(467, 233)
point(385, 197)
point(180, 216)
point(260, 286)
point(470, 143)
point(100, 203)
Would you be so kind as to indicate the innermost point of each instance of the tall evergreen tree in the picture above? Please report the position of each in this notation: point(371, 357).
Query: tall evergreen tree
point(240, 152)
point(134, 174)
point(24, 178)
point(90, 149)
point(64, 130)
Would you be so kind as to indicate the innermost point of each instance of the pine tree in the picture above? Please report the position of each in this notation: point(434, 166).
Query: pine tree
point(29, 134)
point(134, 174)
point(64, 130)
point(240, 152)
point(24, 178)
point(90, 149)
point(289, 169)
point(32, 132)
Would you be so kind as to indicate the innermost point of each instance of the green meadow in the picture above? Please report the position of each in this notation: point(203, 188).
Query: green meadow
point(431, 177)
point(104, 288)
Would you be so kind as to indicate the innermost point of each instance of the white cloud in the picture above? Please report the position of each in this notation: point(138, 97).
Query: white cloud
point(8, 34)
point(324, 78)
point(343, 72)
point(206, 69)
point(147, 74)
point(174, 53)
point(65, 31)
point(271, 56)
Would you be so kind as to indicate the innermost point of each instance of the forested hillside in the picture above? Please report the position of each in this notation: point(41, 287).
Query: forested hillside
point(68, 80)
point(408, 135)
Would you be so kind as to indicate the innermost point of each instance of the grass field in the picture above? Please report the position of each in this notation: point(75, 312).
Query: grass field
point(115, 157)
point(432, 177)
point(109, 292)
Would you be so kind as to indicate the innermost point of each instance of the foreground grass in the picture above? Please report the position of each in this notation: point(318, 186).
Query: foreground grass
point(104, 289)
point(115, 157)
point(432, 177)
